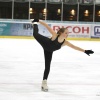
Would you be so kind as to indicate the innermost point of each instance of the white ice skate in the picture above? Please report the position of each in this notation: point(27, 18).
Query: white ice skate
point(44, 86)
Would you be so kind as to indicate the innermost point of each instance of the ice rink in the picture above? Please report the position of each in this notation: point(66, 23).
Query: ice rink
point(73, 76)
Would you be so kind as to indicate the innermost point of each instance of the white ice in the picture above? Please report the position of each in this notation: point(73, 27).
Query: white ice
point(73, 76)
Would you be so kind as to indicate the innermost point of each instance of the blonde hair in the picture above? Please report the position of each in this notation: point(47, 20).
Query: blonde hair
point(61, 30)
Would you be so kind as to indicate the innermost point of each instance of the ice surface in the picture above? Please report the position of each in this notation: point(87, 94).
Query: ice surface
point(73, 76)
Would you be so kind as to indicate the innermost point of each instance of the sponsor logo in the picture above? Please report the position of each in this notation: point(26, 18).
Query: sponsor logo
point(97, 30)
point(27, 26)
point(74, 29)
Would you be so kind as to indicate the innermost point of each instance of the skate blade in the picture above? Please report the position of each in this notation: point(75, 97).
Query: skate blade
point(45, 90)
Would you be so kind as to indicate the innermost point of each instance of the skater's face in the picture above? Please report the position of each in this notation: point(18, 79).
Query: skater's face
point(65, 33)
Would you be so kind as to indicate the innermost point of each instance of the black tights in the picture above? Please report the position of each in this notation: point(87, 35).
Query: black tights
point(47, 55)
point(48, 58)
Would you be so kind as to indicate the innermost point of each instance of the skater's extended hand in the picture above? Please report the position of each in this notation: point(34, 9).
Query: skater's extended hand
point(88, 52)
point(35, 20)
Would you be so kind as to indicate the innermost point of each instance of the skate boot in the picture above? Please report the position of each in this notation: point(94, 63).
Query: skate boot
point(44, 86)
point(35, 21)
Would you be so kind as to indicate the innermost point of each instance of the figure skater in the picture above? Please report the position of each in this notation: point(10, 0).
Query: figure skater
point(52, 44)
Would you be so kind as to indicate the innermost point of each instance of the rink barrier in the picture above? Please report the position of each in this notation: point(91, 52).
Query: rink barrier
point(28, 37)
point(25, 30)
point(17, 37)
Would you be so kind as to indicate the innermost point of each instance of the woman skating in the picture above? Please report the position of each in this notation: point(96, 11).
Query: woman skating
point(52, 44)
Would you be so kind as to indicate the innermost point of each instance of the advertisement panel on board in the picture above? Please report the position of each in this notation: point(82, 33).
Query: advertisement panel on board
point(75, 30)
point(14, 29)
point(95, 31)
point(4, 28)
point(21, 29)
point(26, 29)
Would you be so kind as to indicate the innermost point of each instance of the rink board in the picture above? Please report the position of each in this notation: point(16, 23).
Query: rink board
point(25, 30)
point(28, 37)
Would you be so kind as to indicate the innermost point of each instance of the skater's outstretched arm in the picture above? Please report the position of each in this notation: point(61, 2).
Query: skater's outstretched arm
point(67, 43)
point(88, 52)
